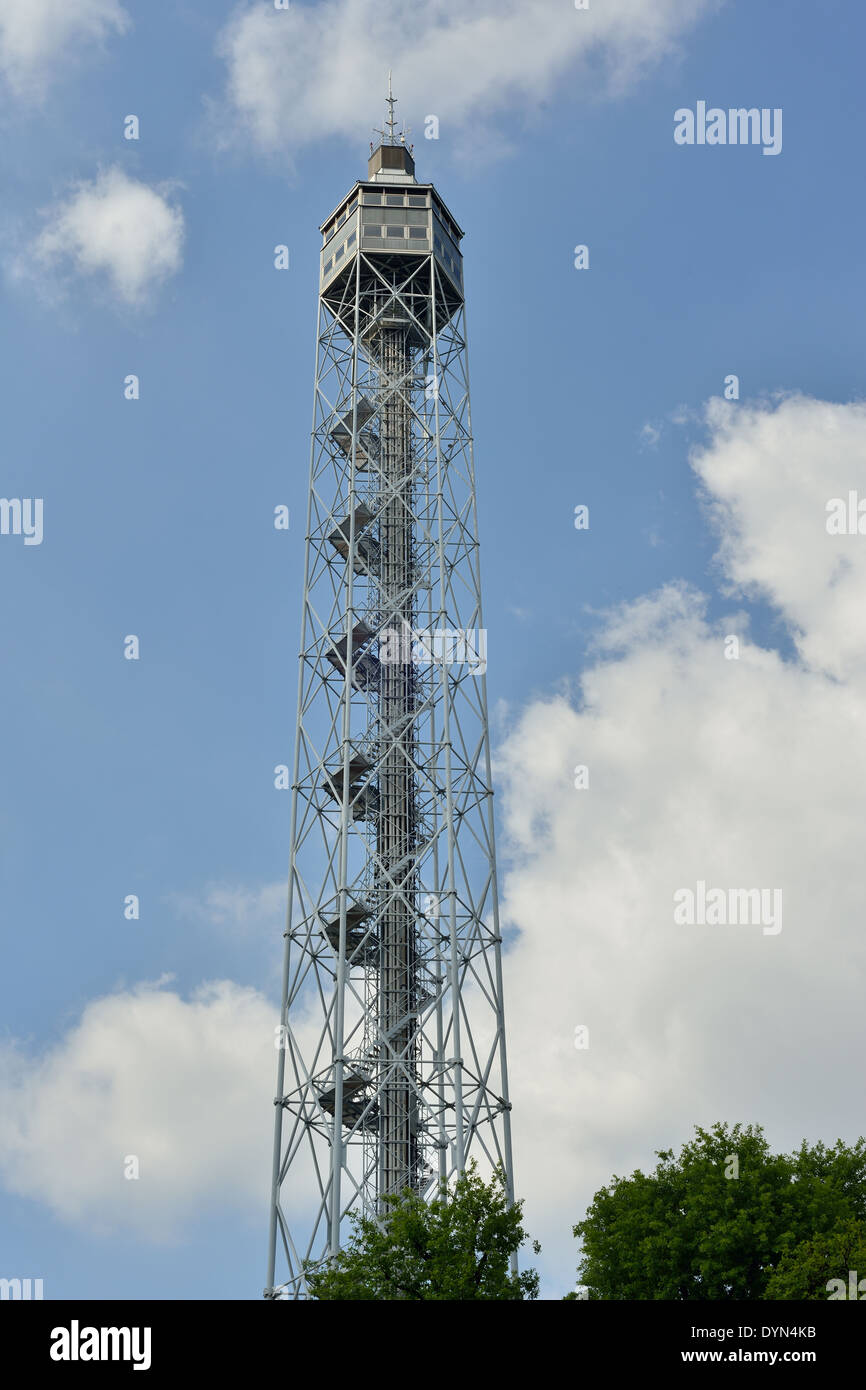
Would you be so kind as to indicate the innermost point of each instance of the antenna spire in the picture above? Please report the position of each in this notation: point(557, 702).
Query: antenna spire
point(387, 134)
point(392, 102)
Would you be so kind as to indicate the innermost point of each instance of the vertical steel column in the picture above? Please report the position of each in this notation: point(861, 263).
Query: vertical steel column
point(396, 825)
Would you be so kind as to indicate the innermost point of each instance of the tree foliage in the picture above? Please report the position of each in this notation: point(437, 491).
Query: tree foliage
point(808, 1269)
point(724, 1220)
point(459, 1246)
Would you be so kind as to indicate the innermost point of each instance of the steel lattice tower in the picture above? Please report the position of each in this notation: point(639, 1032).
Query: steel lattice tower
point(392, 1068)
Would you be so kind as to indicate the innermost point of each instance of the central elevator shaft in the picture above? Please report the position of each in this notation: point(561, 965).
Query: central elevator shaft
point(396, 755)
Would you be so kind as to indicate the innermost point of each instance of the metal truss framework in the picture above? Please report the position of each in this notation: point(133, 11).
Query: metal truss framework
point(392, 1068)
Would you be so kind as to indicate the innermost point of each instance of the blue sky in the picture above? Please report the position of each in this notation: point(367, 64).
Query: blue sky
point(156, 777)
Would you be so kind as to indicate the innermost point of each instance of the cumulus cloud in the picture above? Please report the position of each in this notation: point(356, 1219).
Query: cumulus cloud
point(297, 75)
point(116, 229)
point(37, 36)
point(742, 773)
point(185, 1086)
point(772, 520)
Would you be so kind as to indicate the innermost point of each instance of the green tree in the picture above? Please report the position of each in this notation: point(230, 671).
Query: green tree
point(715, 1222)
point(806, 1271)
point(458, 1246)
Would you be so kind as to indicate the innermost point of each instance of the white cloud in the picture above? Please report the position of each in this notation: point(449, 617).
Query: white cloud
point(37, 37)
point(743, 773)
point(116, 228)
point(298, 75)
point(773, 518)
point(185, 1085)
